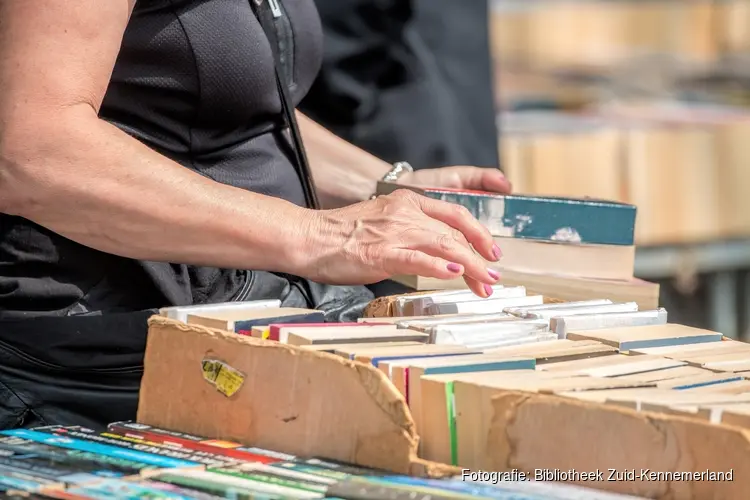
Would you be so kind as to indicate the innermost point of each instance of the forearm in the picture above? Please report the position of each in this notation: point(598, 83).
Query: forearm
point(88, 181)
point(344, 174)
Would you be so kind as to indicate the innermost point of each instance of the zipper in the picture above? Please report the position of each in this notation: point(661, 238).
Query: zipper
point(244, 292)
point(275, 8)
point(284, 39)
point(50, 366)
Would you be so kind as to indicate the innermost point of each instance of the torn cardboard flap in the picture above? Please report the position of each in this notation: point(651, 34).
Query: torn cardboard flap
point(530, 431)
point(289, 399)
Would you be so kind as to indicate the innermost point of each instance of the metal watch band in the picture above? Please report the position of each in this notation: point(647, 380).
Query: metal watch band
point(399, 169)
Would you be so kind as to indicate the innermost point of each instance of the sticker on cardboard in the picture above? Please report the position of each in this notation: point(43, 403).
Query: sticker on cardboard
point(223, 377)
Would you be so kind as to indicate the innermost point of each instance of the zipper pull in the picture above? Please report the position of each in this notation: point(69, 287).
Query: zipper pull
point(275, 8)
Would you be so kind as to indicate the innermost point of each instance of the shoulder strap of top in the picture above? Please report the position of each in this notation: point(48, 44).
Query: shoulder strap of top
point(267, 19)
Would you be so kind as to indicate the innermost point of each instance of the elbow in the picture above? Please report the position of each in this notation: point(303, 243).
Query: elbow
point(34, 151)
point(19, 156)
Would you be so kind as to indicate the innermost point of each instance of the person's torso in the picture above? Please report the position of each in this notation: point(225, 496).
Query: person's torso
point(195, 81)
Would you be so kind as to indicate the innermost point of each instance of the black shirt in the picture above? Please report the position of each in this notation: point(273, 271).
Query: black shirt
point(194, 80)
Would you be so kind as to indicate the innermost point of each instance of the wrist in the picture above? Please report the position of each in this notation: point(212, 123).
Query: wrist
point(319, 237)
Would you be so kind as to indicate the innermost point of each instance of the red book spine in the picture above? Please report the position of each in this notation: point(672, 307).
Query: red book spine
point(216, 447)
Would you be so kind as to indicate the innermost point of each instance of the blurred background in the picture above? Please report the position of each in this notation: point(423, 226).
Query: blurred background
point(645, 102)
point(641, 101)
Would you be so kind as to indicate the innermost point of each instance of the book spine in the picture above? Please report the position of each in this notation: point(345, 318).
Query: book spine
point(275, 329)
point(707, 383)
point(470, 489)
point(247, 325)
point(573, 221)
point(450, 401)
point(212, 488)
point(664, 342)
point(41, 470)
point(114, 488)
point(153, 459)
point(379, 359)
point(64, 455)
point(549, 219)
point(270, 478)
point(216, 447)
point(521, 364)
point(366, 489)
point(152, 455)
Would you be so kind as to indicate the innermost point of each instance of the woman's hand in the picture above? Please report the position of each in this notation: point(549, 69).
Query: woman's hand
point(475, 178)
point(401, 233)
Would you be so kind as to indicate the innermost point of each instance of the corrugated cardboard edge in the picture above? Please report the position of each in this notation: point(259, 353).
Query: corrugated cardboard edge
point(435, 470)
point(531, 431)
point(390, 444)
point(382, 307)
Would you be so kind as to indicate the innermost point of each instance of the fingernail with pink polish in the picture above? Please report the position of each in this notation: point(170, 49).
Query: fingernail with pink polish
point(488, 290)
point(454, 268)
point(497, 252)
point(493, 274)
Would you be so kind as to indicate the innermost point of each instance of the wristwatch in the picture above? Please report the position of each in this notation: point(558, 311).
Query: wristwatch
point(395, 173)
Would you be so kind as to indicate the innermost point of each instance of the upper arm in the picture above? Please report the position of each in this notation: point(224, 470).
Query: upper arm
point(57, 54)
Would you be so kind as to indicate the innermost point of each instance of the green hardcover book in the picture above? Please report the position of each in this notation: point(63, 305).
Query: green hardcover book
point(570, 220)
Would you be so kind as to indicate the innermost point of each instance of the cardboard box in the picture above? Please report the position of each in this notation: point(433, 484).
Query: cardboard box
point(214, 383)
point(531, 432)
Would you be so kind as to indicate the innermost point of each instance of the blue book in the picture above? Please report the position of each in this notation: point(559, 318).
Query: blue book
point(101, 449)
point(12, 448)
point(705, 383)
point(242, 322)
point(132, 490)
point(476, 490)
point(642, 337)
point(478, 366)
point(376, 361)
point(583, 221)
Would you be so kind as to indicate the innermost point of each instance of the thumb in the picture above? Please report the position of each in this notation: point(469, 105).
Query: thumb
point(482, 179)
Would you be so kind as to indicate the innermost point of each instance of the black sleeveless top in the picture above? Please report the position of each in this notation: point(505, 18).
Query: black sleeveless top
point(194, 81)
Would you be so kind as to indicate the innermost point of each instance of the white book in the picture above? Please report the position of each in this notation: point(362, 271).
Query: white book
point(460, 336)
point(573, 311)
point(459, 319)
point(421, 304)
point(401, 304)
point(597, 321)
point(490, 305)
point(520, 311)
point(512, 341)
point(344, 335)
point(180, 313)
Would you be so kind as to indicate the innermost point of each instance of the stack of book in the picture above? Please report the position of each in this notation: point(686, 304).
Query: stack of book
point(132, 461)
point(568, 248)
point(606, 353)
point(428, 383)
point(437, 323)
